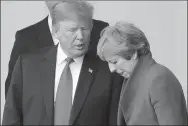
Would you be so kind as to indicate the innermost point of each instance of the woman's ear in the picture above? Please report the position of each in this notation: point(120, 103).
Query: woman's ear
point(135, 56)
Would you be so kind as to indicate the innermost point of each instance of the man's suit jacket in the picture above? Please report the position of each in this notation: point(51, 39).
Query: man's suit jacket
point(152, 96)
point(39, 36)
point(30, 99)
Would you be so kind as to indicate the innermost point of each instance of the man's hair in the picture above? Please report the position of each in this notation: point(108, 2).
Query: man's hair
point(78, 7)
point(124, 34)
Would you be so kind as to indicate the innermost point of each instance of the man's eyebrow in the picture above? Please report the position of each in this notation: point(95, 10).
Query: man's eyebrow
point(71, 25)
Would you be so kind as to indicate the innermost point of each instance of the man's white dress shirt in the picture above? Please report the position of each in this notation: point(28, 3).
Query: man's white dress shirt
point(75, 66)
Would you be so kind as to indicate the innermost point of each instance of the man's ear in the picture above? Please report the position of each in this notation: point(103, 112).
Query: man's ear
point(55, 31)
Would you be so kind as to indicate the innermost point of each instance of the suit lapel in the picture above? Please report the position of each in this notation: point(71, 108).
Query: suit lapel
point(47, 73)
point(131, 88)
point(47, 69)
point(44, 34)
point(84, 83)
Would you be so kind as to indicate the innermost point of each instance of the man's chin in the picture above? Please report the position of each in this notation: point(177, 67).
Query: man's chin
point(78, 53)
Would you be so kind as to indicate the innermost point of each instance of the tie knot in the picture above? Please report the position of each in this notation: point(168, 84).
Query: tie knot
point(69, 60)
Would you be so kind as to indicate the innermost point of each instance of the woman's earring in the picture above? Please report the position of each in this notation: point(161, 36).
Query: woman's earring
point(134, 56)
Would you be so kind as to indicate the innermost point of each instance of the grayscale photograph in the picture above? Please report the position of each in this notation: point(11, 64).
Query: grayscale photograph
point(77, 62)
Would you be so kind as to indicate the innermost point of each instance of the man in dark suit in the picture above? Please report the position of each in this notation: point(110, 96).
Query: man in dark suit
point(38, 80)
point(39, 35)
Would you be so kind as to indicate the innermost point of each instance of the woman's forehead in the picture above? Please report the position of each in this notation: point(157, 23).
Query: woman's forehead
point(111, 48)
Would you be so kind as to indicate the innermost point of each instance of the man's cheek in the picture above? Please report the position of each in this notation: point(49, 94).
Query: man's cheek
point(68, 34)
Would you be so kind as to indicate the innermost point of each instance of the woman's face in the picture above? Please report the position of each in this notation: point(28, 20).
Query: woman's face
point(122, 65)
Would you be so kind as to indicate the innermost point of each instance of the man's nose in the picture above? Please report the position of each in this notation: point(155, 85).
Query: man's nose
point(79, 34)
point(111, 67)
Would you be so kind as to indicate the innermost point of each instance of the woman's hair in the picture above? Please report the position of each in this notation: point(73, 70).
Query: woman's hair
point(124, 34)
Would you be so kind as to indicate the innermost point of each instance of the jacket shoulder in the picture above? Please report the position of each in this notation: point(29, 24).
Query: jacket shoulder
point(31, 28)
point(99, 22)
point(36, 53)
point(159, 77)
point(98, 25)
point(159, 70)
point(162, 78)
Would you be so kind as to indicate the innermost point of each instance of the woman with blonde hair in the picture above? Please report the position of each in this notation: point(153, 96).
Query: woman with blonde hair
point(152, 95)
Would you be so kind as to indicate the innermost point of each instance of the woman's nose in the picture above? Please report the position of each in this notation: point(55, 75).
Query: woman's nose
point(111, 67)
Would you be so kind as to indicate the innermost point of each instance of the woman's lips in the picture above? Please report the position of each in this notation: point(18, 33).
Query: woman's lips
point(121, 73)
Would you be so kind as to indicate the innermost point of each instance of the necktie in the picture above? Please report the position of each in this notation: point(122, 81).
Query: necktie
point(63, 103)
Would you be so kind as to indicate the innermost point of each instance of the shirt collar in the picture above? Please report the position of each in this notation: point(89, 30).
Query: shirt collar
point(61, 56)
point(50, 23)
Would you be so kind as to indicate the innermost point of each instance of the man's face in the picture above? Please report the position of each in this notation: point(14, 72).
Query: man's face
point(74, 37)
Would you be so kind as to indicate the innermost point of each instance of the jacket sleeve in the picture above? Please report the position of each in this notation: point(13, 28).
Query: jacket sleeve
point(17, 49)
point(120, 116)
point(168, 100)
point(13, 105)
